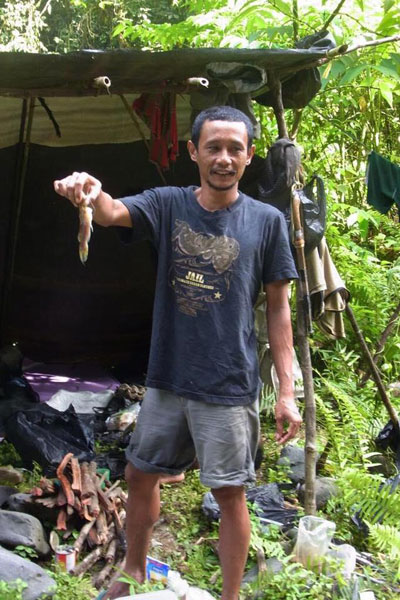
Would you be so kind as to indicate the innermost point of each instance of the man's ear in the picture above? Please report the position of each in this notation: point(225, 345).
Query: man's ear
point(192, 150)
point(250, 154)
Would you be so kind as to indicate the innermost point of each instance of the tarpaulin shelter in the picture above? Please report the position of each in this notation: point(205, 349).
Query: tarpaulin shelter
point(64, 113)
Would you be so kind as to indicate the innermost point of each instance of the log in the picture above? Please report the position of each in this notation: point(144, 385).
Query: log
point(93, 538)
point(61, 500)
point(93, 557)
point(102, 527)
point(62, 520)
point(111, 552)
point(47, 485)
point(65, 484)
point(80, 540)
point(88, 486)
point(48, 502)
point(76, 476)
point(100, 578)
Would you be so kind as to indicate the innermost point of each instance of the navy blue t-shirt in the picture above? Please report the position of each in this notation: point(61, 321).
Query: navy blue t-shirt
point(211, 267)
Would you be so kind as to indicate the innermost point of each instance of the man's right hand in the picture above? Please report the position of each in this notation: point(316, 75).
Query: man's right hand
point(78, 188)
point(83, 188)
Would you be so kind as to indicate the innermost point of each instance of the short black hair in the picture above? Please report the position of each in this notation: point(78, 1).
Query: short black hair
point(221, 113)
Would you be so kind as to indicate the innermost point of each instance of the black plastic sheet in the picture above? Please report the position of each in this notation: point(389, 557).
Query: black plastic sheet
point(45, 435)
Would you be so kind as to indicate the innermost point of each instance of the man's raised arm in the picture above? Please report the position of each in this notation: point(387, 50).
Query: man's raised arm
point(83, 188)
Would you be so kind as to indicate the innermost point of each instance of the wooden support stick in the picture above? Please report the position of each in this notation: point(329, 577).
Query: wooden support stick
point(374, 371)
point(276, 89)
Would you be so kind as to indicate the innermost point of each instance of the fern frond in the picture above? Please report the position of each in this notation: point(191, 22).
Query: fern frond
point(386, 539)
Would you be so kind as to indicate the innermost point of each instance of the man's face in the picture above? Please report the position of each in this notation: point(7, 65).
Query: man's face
point(222, 154)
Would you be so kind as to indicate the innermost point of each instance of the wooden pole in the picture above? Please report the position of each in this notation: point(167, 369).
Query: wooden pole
point(374, 370)
point(303, 329)
point(303, 318)
point(21, 169)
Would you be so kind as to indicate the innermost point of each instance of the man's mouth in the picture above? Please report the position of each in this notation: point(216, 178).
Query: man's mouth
point(222, 173)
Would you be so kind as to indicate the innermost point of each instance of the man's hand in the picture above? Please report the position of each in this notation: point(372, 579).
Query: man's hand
point(286, 412)
point(78, 188)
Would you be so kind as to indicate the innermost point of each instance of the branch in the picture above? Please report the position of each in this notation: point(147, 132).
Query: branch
point(394, 38)
point(333, 15)
point(295, 20)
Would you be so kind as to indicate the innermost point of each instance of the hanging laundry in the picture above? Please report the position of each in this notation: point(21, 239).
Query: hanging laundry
point(328, 292)
point(158, 111)
point(383, 181)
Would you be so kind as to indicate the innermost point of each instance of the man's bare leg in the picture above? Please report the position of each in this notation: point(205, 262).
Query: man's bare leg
point(170, 479)
point(142, 511)
point(234, 538)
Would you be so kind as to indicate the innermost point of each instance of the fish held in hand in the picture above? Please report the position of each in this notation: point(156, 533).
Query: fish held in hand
point(85, 230)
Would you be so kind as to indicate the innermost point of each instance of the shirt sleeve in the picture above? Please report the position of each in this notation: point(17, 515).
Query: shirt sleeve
point(278, 260)
point(145, 211)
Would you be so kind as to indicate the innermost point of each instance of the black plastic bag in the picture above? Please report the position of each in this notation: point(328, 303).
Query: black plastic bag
point(313, 202)
point(45, 435)
point(268, 502)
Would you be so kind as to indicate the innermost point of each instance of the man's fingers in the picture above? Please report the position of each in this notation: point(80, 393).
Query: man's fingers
point(78, 188)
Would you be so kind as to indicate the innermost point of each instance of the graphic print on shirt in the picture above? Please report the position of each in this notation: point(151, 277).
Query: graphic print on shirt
point(202, 267)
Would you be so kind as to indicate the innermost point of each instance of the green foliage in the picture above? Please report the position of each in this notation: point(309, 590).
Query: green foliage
point(367, 494)
point(386, 538)
point(69, 587)
point(25, 552)
point(9, 455)
point(139, 588)
point(13, 590)
point(293, 582)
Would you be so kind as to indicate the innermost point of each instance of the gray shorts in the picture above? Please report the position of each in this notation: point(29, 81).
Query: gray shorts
point(172, 431)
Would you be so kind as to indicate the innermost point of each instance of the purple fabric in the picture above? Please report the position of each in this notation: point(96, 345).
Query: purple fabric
point(48, 379)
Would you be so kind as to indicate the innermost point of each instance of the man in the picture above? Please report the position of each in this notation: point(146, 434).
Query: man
point(216, 249)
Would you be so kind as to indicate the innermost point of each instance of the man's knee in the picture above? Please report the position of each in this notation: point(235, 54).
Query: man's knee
point(137, 478)
point(230, 497)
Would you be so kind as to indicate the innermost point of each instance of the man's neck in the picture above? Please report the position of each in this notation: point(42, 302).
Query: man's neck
point(212, 200)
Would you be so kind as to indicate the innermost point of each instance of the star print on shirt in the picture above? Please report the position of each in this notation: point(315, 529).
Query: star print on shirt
point(217, 295)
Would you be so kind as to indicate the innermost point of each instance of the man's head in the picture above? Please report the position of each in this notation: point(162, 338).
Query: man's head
point(221, 113)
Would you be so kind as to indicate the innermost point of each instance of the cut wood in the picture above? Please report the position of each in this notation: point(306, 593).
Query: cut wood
point(76, 476)
point(65, 484)
point(80, 540)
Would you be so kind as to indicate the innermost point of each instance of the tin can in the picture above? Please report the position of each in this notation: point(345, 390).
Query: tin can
point(66, 557)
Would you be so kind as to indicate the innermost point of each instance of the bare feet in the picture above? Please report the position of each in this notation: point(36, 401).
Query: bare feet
point(172, 478)
point(119, 589)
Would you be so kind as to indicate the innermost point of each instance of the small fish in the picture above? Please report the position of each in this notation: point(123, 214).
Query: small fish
point(85, 230)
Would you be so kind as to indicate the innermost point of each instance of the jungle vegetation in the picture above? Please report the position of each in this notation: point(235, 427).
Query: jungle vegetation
point(356, 111)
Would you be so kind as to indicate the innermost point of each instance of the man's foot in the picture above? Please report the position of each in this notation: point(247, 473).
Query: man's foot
point(172, 478)
point(118, 589)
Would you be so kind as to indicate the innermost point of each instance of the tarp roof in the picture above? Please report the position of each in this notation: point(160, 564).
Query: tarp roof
point(72, 74)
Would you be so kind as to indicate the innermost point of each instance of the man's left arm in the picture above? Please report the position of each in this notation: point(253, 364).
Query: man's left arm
point(288, 419)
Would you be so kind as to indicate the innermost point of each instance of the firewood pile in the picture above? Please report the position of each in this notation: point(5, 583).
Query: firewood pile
point(87, 502)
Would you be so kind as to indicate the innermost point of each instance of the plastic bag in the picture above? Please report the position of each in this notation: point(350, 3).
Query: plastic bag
point(313, 202)
point(313, 539)
point(185, 591)
point(121, 420)
point(346, 555)
point(45, 435)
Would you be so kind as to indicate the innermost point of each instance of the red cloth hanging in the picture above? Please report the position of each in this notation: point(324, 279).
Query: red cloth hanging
point(158, 111)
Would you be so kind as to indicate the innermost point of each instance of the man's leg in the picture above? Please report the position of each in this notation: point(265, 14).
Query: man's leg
point(142, 511)
point(234, 538)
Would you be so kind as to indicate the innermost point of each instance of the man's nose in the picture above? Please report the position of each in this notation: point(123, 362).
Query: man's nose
point(224, 156)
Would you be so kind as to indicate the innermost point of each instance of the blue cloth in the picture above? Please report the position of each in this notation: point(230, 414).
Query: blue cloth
point(211, 266)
